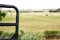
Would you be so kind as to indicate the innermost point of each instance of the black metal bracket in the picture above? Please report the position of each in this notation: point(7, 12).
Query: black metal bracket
point(11, 24)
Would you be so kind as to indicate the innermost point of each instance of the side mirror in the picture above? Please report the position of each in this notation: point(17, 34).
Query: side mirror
point(16, 24)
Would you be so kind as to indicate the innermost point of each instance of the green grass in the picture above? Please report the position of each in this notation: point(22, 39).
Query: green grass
point(40, 18)
point(9, 19)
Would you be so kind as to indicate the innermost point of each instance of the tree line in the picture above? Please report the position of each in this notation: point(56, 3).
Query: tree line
point(49, 10)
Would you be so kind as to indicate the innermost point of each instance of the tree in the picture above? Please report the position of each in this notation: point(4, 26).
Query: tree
point(2, 14)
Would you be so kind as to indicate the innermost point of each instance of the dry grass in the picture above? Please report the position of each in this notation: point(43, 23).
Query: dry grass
point(39, 22)
point(34, 22)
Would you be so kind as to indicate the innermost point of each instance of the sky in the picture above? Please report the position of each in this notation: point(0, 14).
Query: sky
point(33, 4)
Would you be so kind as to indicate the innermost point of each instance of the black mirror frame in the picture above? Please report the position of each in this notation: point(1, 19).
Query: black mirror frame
point(11, 24)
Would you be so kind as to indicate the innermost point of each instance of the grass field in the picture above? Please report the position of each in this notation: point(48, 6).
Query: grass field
point(39, 23)
point(34, 23)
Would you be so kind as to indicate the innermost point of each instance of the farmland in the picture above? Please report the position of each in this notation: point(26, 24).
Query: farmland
point(33, 24)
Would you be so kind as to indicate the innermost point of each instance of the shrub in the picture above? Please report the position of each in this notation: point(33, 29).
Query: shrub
point(2, 15)
point(30, 36)
point(51, 34)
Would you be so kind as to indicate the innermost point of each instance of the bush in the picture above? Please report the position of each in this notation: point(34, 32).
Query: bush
point(2, 15)
point(30, 36)
point(51, 34)
point(5, 35)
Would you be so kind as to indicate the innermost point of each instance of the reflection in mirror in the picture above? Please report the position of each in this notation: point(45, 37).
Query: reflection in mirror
point(7, 32)
point(7, 15)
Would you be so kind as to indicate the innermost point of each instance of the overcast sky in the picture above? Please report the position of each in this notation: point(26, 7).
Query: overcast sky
point(33, 4)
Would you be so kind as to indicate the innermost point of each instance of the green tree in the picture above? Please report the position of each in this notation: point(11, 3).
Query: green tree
point(2, 14)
